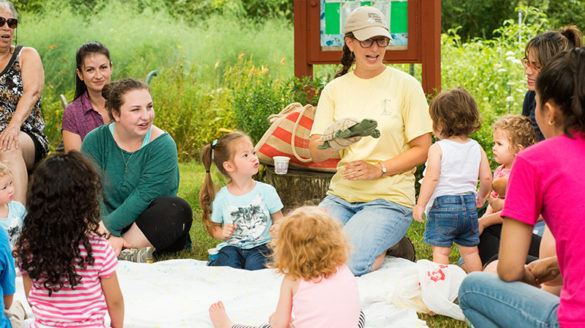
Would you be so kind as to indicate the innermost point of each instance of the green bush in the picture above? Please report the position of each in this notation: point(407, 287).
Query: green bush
point(257, 95)
point(189, 93)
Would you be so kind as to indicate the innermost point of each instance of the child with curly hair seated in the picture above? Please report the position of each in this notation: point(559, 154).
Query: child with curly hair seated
point(318, 289)
point(512, 134)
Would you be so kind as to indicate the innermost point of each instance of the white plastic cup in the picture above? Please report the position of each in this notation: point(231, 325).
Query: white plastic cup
point(213, 254)
point(281, 164)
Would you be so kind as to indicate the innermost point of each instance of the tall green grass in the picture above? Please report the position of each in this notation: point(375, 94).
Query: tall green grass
point(191, 58)
point(206, 65)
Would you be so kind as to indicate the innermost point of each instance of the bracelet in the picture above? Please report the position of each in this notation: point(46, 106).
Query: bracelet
point(383, 168)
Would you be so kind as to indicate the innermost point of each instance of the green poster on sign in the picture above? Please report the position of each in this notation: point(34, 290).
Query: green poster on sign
point(332, 21)
point(334, 13)
point(399, 17)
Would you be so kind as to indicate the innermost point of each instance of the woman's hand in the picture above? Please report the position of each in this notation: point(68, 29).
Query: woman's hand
point(9, 138)
point(228, 230)
point(544, 270)
point(361, 170)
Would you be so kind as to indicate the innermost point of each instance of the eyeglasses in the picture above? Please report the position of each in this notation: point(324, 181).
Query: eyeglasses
point(381, 42)
point(527, 64)
point(12, 22)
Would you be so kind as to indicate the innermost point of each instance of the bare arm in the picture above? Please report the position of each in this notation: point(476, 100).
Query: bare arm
point(27, 283)
point(489, 220)
point(114, 300)
point(320, 155)
point(413, 157)
point(33, 80)
point(276, 219)
point(71, 141)
point(223, 233)
point(281, 317)
point(416, 155)
point(8, 301)
point(432, 174)
point(485, 179)
point(514, 245)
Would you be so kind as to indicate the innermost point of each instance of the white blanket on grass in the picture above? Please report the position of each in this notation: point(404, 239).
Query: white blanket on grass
point(178, 293)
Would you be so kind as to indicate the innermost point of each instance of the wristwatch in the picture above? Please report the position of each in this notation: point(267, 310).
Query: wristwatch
point(383, 169)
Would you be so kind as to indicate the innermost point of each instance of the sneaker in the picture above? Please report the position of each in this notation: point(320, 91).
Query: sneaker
point(138, 255)
point(404, 249)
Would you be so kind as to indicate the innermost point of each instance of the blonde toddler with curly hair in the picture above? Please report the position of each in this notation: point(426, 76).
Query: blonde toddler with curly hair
point(311, 251)
point(512, 133)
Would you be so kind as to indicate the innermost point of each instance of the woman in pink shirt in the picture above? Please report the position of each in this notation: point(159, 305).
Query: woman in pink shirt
point(88, 110)
point(546, 179)
point(318, 290)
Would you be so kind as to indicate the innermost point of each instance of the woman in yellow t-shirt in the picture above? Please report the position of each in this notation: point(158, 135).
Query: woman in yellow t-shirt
point(372, 193)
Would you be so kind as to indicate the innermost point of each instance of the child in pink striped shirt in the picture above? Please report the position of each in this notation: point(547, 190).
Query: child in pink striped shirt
point(68, 269)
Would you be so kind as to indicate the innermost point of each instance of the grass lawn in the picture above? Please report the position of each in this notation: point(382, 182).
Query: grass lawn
point(192, 175)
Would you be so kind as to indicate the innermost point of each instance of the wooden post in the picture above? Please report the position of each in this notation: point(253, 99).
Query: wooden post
point(431, 46)
point(301, 29)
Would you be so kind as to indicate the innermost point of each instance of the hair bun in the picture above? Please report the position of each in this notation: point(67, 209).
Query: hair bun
point(107, 90)
point(574, 35)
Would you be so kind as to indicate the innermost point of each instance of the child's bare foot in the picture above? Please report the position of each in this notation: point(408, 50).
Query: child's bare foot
point(218, 316)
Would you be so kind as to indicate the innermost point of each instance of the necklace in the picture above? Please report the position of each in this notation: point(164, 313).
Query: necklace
point(126, 160)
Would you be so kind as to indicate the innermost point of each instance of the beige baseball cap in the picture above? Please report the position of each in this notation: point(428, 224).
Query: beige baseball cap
point(366, 22)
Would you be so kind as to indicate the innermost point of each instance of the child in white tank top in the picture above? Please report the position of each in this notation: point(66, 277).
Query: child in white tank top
point(448, 194)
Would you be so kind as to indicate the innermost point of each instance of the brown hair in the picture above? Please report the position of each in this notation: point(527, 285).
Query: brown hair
point(347, 58)
point(455, 113)
point(563, 82)
point(519, 130)
point(218, 152)
point(549, 44)
point(85, 50)
point(114, 92)
point(309, 245)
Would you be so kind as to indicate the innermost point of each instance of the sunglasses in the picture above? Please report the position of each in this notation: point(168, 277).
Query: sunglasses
point(12, 22)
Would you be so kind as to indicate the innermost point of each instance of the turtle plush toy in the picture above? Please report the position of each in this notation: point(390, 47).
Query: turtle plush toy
point(347, 131)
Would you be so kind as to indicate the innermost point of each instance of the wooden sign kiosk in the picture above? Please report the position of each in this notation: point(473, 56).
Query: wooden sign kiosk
point(424, 39)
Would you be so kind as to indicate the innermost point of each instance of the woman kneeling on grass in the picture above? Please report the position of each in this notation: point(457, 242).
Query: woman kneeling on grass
point(141, 176)
point(372, 193)
point(543, 181)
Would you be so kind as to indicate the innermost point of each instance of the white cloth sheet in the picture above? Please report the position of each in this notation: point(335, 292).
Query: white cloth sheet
point(178, 293)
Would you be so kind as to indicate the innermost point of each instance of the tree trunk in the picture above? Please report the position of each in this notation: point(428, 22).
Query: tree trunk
point(298, 188)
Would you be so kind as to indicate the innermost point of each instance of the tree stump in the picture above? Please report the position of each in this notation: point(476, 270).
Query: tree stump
point(298, 188)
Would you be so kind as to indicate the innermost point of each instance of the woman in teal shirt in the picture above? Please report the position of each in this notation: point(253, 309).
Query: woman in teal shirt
point(140, 173)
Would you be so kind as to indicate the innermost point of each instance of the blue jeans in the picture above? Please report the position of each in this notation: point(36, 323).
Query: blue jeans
point(371, 228)
point(488, 301)
point(250, 259)
point(452, 218)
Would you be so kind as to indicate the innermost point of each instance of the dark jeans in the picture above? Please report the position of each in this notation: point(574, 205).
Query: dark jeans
point(249, 259)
